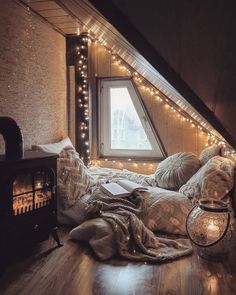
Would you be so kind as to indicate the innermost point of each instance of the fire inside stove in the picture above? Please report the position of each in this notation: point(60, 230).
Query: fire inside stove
point(31, 191)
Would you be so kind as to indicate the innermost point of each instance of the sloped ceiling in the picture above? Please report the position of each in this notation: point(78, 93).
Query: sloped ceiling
point(184, 48)
point(195, 45)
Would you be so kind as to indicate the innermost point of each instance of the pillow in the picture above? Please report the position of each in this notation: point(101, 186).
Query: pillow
point(72, 215)
point(73, 179)
point(214, 180)
point(209, 152)
point(176, 170)
point(166, 211)
point(99, 234)
point(56, 147)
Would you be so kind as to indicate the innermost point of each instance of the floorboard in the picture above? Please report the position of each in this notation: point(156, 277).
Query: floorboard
point(73, 269)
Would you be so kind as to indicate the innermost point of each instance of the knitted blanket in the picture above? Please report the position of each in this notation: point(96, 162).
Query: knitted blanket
point(114, 226)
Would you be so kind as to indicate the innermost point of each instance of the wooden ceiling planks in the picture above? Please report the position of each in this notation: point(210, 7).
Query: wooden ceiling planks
point(43, 5)
point(55, 15)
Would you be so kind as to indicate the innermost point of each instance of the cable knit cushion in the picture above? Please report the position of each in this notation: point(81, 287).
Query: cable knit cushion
point(73, 178)
point(209, 152)
point(214, 180)
point(176, 170)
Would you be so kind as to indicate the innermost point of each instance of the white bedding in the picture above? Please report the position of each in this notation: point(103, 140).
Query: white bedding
point(114, 226)
point(163, 210)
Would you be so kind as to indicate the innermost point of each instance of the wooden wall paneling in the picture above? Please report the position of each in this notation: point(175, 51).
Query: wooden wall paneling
point(116, 71)
point(161, 123)
point(166, 118)
point(103, 62)
point(202, 141)
point(174, 133)
point(189, 138)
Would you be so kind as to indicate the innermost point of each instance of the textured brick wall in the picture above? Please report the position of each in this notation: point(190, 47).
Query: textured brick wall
point(32, 75)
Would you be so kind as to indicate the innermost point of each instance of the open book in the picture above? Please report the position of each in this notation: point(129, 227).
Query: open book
point(122, 188)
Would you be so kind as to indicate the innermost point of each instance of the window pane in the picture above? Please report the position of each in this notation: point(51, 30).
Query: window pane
point(126, 129)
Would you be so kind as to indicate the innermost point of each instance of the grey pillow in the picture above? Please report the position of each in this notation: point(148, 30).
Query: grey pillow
point(209, 152)
point(176, 170)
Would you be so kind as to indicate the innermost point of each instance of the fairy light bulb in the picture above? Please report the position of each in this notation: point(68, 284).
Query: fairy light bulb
point(167, 106)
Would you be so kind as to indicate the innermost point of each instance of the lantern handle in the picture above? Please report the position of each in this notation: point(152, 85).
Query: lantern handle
point(214, 243)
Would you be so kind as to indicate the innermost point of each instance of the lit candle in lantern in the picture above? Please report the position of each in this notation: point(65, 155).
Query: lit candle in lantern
point(38, 184)
point(212, 230)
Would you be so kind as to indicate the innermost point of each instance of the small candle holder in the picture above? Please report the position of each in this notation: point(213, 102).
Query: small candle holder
point(206, 225)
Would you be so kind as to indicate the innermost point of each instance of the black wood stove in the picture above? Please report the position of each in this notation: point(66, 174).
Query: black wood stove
point(27, 200)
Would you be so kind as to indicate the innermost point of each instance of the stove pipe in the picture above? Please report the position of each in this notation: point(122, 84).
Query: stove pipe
point(13, 138)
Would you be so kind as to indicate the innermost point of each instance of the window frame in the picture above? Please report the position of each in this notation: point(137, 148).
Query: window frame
point(104, 130)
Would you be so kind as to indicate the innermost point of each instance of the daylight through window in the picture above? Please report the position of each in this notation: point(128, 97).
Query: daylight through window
point(124, 127)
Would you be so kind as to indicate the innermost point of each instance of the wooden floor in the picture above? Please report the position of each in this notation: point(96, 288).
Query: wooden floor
point(72, 270)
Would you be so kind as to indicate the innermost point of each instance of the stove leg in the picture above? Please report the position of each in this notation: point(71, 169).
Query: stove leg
point(56, 237)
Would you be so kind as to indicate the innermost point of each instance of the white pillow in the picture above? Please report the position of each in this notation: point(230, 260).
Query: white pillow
point(56, 147)
point(176, 170)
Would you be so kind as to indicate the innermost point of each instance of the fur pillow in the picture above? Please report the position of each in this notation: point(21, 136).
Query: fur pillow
point(214, 180)
point(209, 152)
point(176, 170)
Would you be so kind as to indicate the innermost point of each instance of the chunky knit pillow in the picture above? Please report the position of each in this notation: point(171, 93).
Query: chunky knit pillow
point(73, 178)
point(214, 180)
point(209, 152)
point(166, 211)
point(176, 170)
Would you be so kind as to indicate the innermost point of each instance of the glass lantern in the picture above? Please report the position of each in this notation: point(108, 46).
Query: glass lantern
point(207, 224)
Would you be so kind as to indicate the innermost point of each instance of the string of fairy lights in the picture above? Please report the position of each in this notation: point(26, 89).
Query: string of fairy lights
point(82, 96)
point(146, 86)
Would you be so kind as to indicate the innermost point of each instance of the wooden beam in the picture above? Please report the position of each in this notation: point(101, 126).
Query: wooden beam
point(77, 56)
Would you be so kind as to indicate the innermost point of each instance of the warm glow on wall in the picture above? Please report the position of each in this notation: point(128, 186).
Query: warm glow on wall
point(169, 105)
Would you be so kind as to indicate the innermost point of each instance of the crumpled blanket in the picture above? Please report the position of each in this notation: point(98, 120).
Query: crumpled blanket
point(113, 227)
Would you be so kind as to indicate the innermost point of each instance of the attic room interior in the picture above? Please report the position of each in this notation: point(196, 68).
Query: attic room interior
point(117, 147)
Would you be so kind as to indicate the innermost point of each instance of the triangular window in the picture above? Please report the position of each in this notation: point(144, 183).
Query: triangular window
point(125, 129)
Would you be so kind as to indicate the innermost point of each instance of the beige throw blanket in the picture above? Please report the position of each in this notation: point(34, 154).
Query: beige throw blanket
point(114, 226)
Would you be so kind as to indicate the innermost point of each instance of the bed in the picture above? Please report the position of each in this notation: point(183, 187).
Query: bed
point(128, 227)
